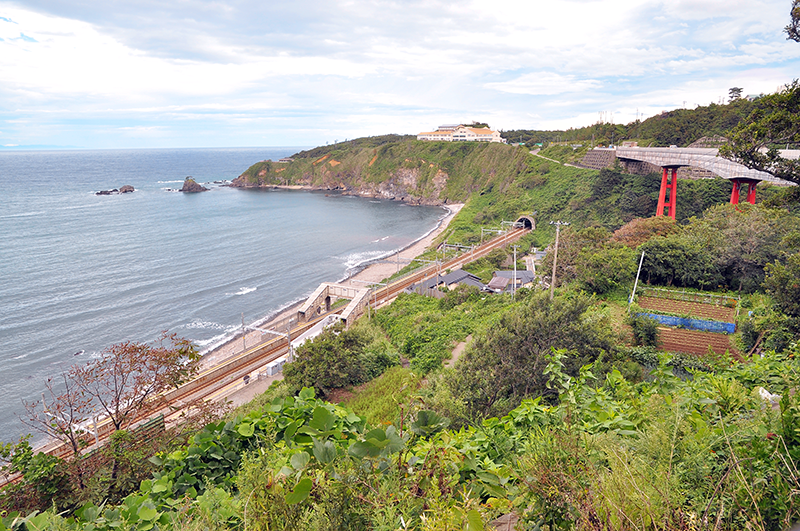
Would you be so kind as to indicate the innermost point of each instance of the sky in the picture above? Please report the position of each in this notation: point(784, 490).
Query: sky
point(236, 73)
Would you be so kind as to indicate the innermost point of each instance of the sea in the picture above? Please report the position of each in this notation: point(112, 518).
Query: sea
point(80, 272)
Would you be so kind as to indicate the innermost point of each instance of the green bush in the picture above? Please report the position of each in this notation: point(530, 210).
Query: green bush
point(645, 330)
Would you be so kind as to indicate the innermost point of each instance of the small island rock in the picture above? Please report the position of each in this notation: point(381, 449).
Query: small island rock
point(190, 185)
point(126, 189)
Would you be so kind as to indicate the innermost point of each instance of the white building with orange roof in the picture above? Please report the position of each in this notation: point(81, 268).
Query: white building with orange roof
point(462, 133)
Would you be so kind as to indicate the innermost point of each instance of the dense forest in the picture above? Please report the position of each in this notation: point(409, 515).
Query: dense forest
point(560, 412)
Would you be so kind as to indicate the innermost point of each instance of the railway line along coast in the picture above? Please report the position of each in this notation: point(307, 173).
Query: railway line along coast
point(258, 355)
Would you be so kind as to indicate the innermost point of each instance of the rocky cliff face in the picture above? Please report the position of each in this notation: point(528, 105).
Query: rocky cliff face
point(430, 173)
point(404, 184)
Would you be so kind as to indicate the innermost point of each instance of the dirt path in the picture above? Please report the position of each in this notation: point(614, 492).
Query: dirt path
point(458, 351)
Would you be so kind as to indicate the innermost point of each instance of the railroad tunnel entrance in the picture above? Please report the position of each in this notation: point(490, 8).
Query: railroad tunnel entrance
point(527, 222)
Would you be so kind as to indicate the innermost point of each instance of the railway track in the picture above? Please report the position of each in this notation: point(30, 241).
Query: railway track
point(211, 383)
point(388, 293)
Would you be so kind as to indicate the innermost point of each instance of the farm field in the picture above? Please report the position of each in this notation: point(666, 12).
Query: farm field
point(694, 309)
point(694, 341)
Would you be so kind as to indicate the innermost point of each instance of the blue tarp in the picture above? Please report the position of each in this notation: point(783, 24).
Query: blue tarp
point(693, 324)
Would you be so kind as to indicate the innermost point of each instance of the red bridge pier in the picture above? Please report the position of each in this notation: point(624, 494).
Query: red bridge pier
point(669, 180)
point(737, 188)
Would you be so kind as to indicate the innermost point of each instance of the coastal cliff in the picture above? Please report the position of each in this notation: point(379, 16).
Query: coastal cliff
point(393, 167)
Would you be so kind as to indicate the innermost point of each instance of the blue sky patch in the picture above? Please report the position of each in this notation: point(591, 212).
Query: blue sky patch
point(23, 37)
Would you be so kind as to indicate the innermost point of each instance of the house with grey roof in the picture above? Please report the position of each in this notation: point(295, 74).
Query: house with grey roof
point(450, 280)
point(506, 281)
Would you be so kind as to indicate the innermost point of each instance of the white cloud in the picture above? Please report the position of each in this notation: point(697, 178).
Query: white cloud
point(185, 69)
point(545, 83)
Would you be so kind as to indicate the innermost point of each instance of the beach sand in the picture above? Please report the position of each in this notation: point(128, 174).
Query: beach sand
point(375, 272)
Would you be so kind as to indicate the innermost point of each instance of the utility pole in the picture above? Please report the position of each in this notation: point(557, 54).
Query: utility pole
point(555, 255)
point(514, 280)
point(244, 335)
point(636, 282)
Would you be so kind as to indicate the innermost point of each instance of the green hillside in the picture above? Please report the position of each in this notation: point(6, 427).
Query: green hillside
point(679, 127)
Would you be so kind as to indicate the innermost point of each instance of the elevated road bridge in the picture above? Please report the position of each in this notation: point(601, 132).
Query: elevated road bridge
point(672, 158)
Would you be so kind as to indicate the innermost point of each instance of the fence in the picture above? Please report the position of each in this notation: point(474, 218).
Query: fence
point(689, 296)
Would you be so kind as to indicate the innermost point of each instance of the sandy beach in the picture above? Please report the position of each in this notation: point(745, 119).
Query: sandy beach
point(375, 272)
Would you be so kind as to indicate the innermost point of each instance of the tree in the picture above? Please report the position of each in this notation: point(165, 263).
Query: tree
point(570, 245)
point(734, 93)
point(506, 363)
point(127, 381)
point(606, 269)
point(793, 29)
point(772, 125)
point(61, 415)
point(783, 283)
point(331, 361)
point(639, 230)
point(742, 240)
point(675, 259)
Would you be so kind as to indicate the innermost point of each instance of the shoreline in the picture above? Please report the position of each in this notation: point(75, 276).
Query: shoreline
point(344, 191)
point(380, 269)
point(371, 271)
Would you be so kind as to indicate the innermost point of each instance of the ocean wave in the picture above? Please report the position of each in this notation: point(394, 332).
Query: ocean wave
point(207, 345)
point(80, 207)
point(168, 182)
point(361, 259)
point(204, 325)
point(245, 291)
point(23, 214)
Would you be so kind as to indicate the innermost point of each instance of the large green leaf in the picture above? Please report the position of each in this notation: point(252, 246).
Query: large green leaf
point(325, 452)
point(307, 393)
point(427, 423)
point(300, 491)
point(246, 429)
point(300, 460)
point(323, 419)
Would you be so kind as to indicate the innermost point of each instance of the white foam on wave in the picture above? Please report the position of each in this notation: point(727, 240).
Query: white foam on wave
point(20, 356)
point(23, 214)
point(245, 291)
point(204, 325)
point(213, 342)
point(168, 182)
point(80, 207)
point(231, 332)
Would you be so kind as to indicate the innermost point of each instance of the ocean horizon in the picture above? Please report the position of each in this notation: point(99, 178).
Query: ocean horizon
point(80, 272)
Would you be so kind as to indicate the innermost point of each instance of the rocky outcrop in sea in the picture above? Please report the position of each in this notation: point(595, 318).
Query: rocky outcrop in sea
point(124, 190)
point(191, 186)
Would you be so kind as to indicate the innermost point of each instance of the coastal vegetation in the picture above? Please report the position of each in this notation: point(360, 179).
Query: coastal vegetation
point(560, 413)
